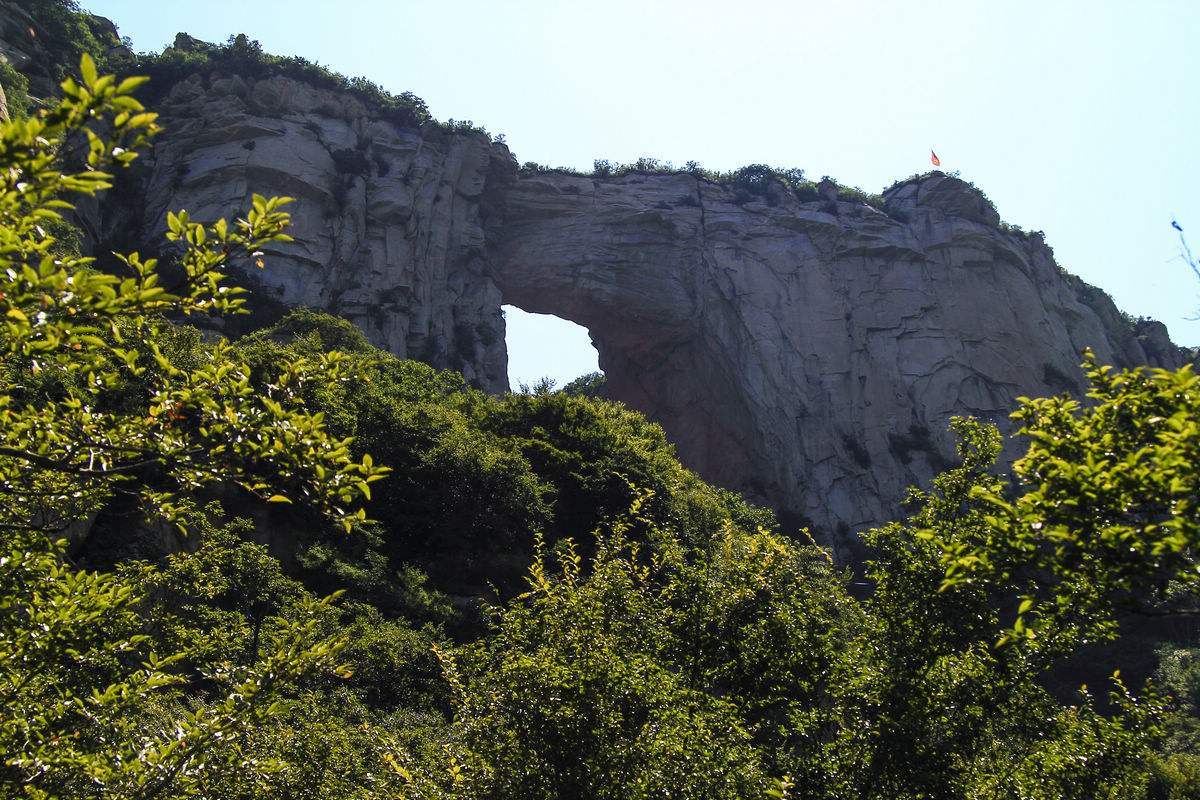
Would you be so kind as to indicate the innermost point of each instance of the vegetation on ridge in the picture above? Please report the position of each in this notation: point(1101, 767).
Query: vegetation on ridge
point(68, 32)
point(665, 640)
point(749, 182)
point(243, 56)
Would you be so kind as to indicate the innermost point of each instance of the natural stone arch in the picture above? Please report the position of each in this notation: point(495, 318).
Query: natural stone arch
point(805, 348)
point(806, 353)
point(639, 278)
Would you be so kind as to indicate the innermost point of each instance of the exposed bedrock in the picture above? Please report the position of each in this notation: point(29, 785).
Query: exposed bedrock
point(809, 354)
point(389, 221)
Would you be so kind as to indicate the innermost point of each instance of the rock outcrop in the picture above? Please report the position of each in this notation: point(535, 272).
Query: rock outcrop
point(808, 353)
point(389, 221)
point(20, 44)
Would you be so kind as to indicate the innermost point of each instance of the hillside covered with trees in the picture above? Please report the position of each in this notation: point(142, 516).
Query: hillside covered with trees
point(291, 565)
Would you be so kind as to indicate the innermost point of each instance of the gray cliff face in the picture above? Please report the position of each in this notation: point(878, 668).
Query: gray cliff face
point(389, 222)
point(808, 354)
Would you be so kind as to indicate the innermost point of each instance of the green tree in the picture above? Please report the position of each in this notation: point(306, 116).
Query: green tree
point(1107, 518)
point(65, 440)
point(331, 735)
point(578, 694)
point(950, 714)
point(610, 672)
point(474, 475)
point(92, 407)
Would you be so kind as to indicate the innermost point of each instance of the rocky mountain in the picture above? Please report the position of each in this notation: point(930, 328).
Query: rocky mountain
point(804, 348)
point(389, 220)
point(809, 354)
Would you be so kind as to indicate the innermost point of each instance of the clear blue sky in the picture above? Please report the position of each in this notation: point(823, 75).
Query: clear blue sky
point(1077, 118)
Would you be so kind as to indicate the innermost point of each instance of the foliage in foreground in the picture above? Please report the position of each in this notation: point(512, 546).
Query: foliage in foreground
point(725, 667)
point(685, 649)
point(90, 408)
point(475, 474)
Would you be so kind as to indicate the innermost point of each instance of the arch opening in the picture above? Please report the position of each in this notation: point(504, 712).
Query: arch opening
point(545, 347)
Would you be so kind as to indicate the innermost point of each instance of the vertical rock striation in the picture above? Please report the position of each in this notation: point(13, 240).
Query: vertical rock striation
point(389, 221)
point(807, 352)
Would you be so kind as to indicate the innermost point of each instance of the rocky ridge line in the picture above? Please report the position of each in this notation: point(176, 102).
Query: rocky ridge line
point(807, 352)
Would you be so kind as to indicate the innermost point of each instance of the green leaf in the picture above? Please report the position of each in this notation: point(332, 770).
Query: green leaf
point(129, 84)
point(87, 69)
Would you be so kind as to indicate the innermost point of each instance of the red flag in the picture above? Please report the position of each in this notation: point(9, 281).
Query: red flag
point(937, 162)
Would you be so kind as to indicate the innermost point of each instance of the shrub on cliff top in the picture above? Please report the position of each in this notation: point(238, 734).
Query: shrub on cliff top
point(749, 181)
point(67, 32)
point(71, 32)
point(241, 55)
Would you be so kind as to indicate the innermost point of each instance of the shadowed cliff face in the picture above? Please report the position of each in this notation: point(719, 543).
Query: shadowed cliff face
point(808, 354)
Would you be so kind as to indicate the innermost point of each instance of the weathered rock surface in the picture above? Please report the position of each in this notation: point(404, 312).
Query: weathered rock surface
point(389, 222)
point(809, 354)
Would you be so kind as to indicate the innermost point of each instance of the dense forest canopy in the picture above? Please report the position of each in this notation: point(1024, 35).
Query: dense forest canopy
point(293, 565)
